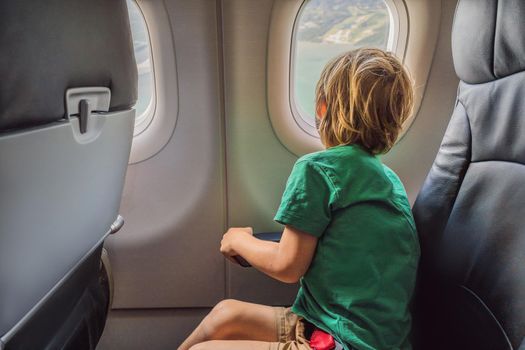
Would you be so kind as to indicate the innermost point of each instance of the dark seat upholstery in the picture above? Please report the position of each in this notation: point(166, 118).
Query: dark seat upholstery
point(67, 87)
point(470, 213)
point(47, 47)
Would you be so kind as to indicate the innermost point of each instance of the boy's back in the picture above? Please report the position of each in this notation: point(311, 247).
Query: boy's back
point(361, 278)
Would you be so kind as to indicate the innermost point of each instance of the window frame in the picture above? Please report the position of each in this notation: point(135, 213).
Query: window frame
point(144, 120)
point(157, 132)
point(396, 43)
point(416, 51)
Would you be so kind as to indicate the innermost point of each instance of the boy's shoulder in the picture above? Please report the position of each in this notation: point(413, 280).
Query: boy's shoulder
point(350, 167)
point(312, 157)
point(338, 156)
point(340, 166)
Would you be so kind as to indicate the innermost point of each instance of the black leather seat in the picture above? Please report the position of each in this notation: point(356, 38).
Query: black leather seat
point(68, 84)
point(470, 213)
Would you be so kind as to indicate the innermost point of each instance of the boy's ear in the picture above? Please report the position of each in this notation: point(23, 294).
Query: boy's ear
point(321, 109)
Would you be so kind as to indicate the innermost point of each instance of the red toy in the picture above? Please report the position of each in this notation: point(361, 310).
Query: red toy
point(321, 340)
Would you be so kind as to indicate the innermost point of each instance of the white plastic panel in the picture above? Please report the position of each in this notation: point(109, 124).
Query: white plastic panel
point(167, 255)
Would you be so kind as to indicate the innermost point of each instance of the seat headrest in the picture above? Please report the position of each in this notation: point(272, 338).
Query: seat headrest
point(488, 39)
point(47, 47)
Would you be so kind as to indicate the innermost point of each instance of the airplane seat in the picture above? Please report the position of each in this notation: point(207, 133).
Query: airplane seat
point(470, 213)
point(69, 82)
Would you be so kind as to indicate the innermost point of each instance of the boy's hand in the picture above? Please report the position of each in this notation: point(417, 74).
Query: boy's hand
point(231, 237)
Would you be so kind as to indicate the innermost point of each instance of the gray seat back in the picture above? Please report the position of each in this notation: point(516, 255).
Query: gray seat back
point(470, 213)
point(63, 63)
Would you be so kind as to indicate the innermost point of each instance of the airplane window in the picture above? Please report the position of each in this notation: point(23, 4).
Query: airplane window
point(326, 28)
point(146, 86)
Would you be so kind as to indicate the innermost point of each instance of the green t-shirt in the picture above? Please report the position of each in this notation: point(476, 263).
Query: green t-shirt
point(361, 278)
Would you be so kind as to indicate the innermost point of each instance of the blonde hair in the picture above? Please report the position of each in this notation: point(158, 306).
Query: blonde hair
point(368, 95)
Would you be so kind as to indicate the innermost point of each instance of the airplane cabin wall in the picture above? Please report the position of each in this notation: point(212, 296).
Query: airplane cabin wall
point(257, 163)
point(165, 260)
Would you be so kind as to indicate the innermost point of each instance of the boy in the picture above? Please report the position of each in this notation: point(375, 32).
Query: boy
point(349, 235)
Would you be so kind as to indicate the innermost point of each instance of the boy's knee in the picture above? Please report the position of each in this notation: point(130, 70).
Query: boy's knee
point(227, 306)
point(202, 346)
point(207, 345)
point(197, 347)
point(219, 321)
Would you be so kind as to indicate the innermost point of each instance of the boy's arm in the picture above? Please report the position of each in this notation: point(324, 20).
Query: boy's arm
point(286, 261)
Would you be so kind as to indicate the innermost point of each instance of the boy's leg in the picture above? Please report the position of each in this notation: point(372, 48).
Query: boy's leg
point(233, 319)
point(232, 345)
point(249, 345)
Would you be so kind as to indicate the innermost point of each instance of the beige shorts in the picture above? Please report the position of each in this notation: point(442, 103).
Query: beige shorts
point(290, 331)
